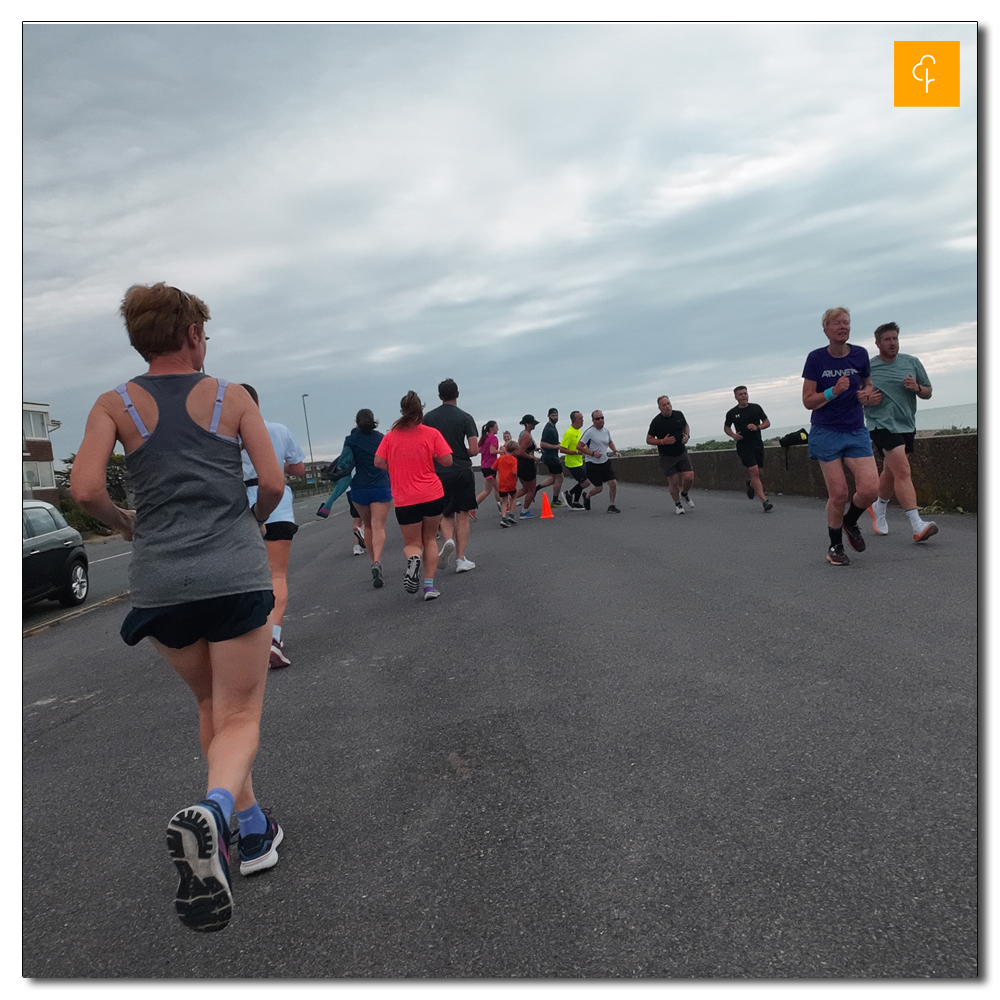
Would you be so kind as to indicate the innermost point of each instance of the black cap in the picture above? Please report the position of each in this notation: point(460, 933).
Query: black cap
point(529, 419)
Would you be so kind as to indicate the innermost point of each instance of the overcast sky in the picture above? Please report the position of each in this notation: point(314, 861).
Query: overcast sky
point(571, 216)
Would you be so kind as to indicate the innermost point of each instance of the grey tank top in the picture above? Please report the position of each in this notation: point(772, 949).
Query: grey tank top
point(194, 537)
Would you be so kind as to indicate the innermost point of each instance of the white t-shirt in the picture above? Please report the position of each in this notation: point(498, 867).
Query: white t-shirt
point(288, 453)
point(596, 440)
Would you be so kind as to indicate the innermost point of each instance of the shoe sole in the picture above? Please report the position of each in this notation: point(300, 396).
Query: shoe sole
point(431, 595)
point(464, 569)
point(377, 580)
point(446, 551)
point(278, 661)
point(871, 514)
point(204, 900)
point(858, 544)
point(265, 861)
point(411, 584)
point(833, 562)
point(930, 530)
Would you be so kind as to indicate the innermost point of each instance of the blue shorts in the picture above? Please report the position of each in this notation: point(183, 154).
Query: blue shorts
point(829, 446)
point(374, 494)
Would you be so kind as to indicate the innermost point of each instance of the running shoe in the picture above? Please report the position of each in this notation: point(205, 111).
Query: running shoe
point(879, 523)
point(568, 498)
point(359, 534)
point(612, 509)
point(558, 503)
point(750, 493)
point(377, 580)
point(411, 578)
point(688, 501)
point(586, 503)
point(929, 529)
point(678, 509)
point(464, 565)
point(359, 550)
point(503, 523)
point(854, 537)
point(446, 550)
point(511, 520)
point(277, 659)
point(259, 851)
point(431, 594)
point(836, 555)
point(768, 506)
point(198, 845)
point(526, 514)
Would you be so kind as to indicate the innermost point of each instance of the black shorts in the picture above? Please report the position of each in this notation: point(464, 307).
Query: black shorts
point(280, 531)
point(750, 455)
point(600, 472)
point(509, 496)
point(416, 512)
point(214, 619)
point(459, 491)
point(351, 507)
point(526, 470)
point(490, 473)
point(887, 440)
point(673, 465)
point(554, 468)
point(578, 472)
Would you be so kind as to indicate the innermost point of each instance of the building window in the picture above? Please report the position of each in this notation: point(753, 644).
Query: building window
point(39, 476)
point(35, 425)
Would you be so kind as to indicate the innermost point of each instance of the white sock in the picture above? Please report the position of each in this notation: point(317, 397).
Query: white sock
point(916, 521)
point(881, 504)
point(276, 632)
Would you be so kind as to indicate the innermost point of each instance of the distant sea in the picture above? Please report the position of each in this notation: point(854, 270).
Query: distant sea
point(931, 418)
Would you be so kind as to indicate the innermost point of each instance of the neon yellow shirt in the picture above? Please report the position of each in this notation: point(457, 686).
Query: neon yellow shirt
point(570, 440)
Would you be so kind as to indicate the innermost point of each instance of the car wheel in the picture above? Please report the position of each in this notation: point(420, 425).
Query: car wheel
point(77, 587)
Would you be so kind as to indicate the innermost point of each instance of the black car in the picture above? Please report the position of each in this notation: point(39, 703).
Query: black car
point(54, 560)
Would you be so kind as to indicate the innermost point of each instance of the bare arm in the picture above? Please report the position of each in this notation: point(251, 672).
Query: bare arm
point(381, 463)
point(298, 469)
point(473, 446)
point(256, 440)
point(735, 435)
point(812, 399)
point(88, 479)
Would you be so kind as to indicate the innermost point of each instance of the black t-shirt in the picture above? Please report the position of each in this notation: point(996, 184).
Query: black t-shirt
point(672, 426)
point(740, 416)
point(456, 427)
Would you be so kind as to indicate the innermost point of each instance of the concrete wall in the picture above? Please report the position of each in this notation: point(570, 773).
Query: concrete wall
point(945, 469)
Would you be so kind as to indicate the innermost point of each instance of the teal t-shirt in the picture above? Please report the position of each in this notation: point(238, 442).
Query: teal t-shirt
point(898, 410)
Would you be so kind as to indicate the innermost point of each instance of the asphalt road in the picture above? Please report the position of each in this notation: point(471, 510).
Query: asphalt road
point(623, 746)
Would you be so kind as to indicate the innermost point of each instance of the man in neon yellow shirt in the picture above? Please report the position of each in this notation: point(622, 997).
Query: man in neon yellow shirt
point(574, 463)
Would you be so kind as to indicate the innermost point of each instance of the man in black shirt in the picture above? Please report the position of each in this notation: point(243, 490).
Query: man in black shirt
point(459, 430)
point(749, 420)
point(669, 432)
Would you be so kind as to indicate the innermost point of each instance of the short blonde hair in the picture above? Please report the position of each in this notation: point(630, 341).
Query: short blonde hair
point(835, 311)
point(158, 316)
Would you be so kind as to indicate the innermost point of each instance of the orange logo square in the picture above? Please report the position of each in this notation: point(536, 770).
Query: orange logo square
point(925, 75)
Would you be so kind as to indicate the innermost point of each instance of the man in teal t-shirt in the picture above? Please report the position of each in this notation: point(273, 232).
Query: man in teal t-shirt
point(891, 418)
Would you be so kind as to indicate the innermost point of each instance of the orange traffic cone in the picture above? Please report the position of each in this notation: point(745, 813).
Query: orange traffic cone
point(546, 506)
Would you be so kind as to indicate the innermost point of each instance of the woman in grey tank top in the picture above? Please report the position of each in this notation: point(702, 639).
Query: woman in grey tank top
point(199, 577)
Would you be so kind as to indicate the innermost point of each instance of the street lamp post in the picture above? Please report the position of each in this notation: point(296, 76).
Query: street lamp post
point(306, 413)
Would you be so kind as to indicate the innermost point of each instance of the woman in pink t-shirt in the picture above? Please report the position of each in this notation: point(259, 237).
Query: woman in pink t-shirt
point(489, 449)
point(408, 453)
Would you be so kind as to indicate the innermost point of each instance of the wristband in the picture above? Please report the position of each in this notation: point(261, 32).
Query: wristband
point(829, 393)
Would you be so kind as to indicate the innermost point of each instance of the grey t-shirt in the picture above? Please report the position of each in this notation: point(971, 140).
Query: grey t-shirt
point(596, 440)
point(456, 427)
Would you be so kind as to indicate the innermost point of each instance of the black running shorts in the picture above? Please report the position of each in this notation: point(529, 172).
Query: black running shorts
point(214, 619)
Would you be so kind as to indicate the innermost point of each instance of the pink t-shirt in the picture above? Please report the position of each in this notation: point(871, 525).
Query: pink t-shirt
point(410, 453)
point(489, 459)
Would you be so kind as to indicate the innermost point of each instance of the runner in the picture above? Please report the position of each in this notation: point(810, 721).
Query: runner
point(459, 481)
point(891, 417)
point(550, 458)
point(409, 453)
point(526, 471)
point(836, 382)
point(506, 466)
point(574, 463)
point(749, 420)
point(489, 449)
point(596, 444)
point(669, 431)
point(199, 577)
point(370, 494)
point(280, 527)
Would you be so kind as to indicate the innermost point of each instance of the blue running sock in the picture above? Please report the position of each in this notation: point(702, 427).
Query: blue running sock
point(252, 820)
point(225, 801)
point(428, 583)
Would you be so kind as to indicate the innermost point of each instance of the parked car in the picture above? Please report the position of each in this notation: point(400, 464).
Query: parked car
point(54, 561)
